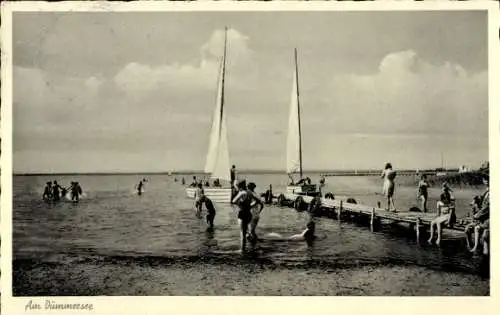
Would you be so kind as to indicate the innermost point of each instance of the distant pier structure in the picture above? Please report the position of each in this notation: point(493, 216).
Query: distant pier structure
point(378, 172)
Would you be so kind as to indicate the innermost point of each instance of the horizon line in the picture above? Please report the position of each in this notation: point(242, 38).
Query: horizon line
point(246, 171)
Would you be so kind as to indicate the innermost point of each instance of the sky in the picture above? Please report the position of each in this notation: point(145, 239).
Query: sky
point(135, 92)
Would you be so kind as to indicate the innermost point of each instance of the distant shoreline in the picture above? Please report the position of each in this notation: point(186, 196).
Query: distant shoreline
point(349, 172)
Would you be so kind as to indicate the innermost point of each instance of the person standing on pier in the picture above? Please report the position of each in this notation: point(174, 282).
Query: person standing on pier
point(423, 185)
point(388, 174)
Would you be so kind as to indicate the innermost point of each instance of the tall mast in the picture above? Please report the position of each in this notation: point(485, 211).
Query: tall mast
point(298, 112)
point(223, 78)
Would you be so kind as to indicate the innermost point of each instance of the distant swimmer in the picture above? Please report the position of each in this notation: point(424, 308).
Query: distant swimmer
point(140, 188)
point(47, 192)
point(76, 191)
point(56, 191)
point(388, 174)
point(183, 181)
point(211, 211)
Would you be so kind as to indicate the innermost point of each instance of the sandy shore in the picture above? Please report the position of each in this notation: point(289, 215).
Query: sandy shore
point(208, 279)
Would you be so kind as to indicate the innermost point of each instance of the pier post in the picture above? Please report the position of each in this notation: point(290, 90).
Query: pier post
point(417, 229)
point(372, 220)
point(339, 214)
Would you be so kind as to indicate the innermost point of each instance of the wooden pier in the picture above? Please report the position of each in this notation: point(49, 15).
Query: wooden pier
point(342, 209)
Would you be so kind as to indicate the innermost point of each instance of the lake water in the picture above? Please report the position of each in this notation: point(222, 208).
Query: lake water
point(112, 226)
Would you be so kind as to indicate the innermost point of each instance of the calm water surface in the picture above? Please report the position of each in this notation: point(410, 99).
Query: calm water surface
point(114, 222)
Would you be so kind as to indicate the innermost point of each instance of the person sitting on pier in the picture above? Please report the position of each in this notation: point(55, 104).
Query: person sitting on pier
point(481, 223)
point(445, 199)
point(446, 214)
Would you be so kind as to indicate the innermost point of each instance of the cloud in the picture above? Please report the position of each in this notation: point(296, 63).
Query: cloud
point(139, 78)
point(406, 95)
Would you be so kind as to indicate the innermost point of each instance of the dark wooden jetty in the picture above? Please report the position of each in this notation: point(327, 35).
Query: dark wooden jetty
point(345, 208)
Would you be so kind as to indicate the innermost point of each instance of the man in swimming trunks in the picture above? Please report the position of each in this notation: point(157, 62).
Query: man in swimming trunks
point(211, 211)
point(244, 201)
point(256, 209)
point(233, 173)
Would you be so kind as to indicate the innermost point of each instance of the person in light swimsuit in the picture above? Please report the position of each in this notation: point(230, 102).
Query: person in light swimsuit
point(256, 208)
point(388, 174)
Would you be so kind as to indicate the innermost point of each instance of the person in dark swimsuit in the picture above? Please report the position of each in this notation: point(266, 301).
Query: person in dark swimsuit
point(56, 191)
point(211, 211)
point(244, 201)
point(139, 188)
point(47, 192)
point(423, 195)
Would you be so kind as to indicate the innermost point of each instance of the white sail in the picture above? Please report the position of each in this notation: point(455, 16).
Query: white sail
point(293, 148)
point(217, 163)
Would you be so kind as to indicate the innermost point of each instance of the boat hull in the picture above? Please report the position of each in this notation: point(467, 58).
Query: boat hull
point(308, 190)
point(220, 195)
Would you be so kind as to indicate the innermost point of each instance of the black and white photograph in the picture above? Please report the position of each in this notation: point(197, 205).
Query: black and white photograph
point(249, 153)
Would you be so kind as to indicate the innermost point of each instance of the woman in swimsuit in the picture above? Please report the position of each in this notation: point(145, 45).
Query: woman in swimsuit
point(388, 174)
point(423, 185)
point(244, 201)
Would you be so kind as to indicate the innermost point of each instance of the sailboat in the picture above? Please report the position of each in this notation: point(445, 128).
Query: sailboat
point(217, 162)
point(294, 143)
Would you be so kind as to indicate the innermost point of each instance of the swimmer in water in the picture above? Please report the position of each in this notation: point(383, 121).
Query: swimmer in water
point(139, 188)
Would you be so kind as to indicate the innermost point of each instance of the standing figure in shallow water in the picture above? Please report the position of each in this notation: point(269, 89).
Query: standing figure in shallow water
point(47, 191)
